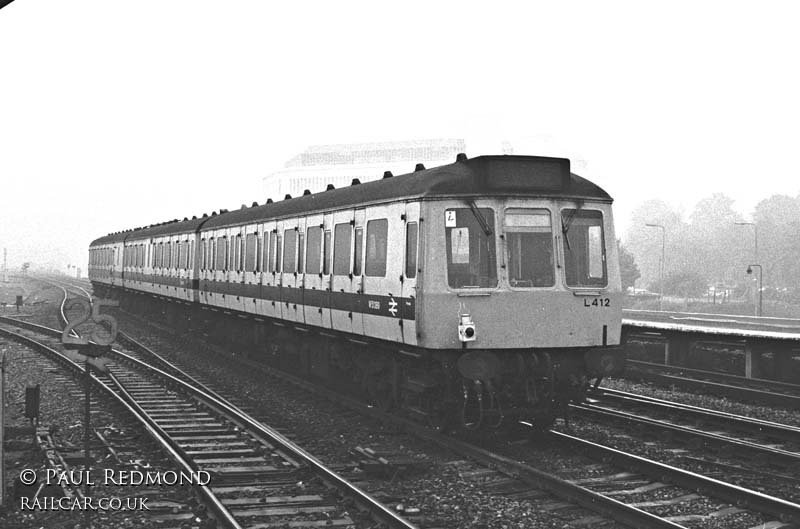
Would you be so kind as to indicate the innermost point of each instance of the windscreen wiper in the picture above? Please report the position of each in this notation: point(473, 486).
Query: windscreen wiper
point(479, 216)
point(565, 224)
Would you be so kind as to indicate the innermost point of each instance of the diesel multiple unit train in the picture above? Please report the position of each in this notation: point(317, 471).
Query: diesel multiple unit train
point(475, 293)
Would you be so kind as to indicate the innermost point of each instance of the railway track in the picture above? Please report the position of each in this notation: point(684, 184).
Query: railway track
point(762, 442)
point(256, 477)
point(619, 489)
point(748, 389)
point(628, 477)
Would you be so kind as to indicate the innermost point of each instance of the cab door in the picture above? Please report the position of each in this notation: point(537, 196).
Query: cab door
point(383, 266)
point(411, 259)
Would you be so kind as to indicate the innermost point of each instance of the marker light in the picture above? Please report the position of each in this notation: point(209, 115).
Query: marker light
point(466, 328)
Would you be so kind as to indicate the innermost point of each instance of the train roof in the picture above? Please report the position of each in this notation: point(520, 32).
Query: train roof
point(534, 176)
point(172, 227)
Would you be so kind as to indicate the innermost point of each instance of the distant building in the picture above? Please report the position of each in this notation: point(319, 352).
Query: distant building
point(320, 165)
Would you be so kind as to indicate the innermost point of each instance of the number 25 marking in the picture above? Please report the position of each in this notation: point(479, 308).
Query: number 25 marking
point(100, 338)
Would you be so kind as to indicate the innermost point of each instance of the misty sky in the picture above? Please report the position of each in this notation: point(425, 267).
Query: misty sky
point(115, 115)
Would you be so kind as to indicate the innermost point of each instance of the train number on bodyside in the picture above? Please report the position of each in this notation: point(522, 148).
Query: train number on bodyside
point(597, 302)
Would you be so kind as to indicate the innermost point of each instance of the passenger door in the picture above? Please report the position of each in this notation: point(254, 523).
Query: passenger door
point(315, 294)
point(411, 259)
point(270, 291)
point(357, 283)
point(342, 301)
point(383, 266)
point(291, 295)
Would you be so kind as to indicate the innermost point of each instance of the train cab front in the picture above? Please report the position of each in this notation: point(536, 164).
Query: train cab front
point(529, 304)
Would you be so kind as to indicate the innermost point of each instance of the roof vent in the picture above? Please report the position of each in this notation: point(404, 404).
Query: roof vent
point(205, 215)
point(185, 219)
point(355, 182)
point(387, 174)
point(287, 197)
point(419, 167)
point(213, 213)
point(223, 211)
point(244, 206)
point(461, 157)
point(194, 217)
point(306, 192)
point(269, 201)
point(330, 186)
point(254, 204)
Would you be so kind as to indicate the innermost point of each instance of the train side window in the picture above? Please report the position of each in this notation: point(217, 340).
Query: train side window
point(341, 249)
point(237, 254)
point(326, 255)
point(357, 251)
point(278, 248)
point(250, 252)
point(203, 250)
point(289, 251)
point(300, 249)
point(471, 256)
point(220, 253)
point(265, 253)
point(411, 249)
point(584, 248)
point(313, 250)
point(272, 242)
point(259, 252)
point(377, 240)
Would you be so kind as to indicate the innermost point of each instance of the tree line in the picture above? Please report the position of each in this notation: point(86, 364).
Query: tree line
point(709, 249)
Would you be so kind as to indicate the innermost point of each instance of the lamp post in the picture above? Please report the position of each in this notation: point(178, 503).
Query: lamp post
point(760, 286)
point(661, 268)
point(755, 250)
